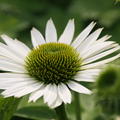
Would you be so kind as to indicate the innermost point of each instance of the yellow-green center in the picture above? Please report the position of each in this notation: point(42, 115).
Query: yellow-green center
point(53, 63)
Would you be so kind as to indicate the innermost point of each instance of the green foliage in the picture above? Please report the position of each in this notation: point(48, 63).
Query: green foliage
point(36, 112)
point(7, 107)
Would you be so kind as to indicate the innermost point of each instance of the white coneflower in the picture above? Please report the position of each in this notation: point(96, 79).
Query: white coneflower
point(53, 66)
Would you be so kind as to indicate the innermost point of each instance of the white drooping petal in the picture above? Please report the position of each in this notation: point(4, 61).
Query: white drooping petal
point(68, 33)
point(28, 90)
point(101, 55)
point(9, 53)
point(78, 88)
point(50, 32)
point(11, 83)
point(50, 94)
point(64, 93)
point(89, 40)
point(11, 79)
point(37, 94)
point(37, 38)
point(57, 102)
point(13, 86)
point(100, 63)
point(83, 35)
point(13, 75)
point(16, 46)
point(9, 65)
point(21, 90)
point(14, 83)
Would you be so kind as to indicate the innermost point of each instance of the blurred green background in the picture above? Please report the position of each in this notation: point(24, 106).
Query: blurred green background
point(17, 17)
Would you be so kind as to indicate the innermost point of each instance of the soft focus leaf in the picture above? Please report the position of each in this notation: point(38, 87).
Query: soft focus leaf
point(36, 112)
point(7, 107)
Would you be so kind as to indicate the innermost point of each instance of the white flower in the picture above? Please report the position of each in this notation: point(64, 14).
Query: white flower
point(36, 73)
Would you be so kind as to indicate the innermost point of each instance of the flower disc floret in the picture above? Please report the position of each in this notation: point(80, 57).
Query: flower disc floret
point(53, 63)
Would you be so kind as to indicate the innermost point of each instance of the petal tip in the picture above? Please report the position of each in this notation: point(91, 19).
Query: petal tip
point(3, 36)
point(93, 23)
point(108, 36)
point(50, 21)
point(33, 29)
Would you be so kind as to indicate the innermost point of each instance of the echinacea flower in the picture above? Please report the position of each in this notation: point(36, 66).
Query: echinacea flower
point(54, 66)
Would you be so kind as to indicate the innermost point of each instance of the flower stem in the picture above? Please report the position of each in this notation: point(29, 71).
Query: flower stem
point(77, 107)
point(61, 113)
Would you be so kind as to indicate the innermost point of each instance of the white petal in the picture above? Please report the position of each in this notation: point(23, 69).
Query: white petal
point(78, 88)
point(13, 83)
point(94, 58)
point(83, 35)
point(103, 62)
point(15, 46)
point(28, 90)
point(87, 76)
point(22, 46)
point(17, 83)
point(13, 75)
point(57, 103)
point(64, 93)
point(9, 53)
point(37, 38)
point(90, 71)
point(11, 66)
point(68, 33)
point(36, 95)
point(97, 48)
point(13, 86)
point(3, 58)
point(15, 80)
point(50, 32)
point(9, 93)
point(104, 38)
point(84, 79)
point(50, 94)
point(89, 40)
point(21, 91)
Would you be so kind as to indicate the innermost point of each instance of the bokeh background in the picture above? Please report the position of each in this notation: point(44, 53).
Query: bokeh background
point(17, 17)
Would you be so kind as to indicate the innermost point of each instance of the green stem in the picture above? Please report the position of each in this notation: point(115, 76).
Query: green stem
point(61, 113)
point(77, 107)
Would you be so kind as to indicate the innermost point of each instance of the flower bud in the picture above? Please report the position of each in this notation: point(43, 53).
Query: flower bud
point(108, 90)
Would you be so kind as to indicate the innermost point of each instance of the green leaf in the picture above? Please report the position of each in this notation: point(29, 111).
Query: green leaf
point(8, 107)
point(36, 112)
